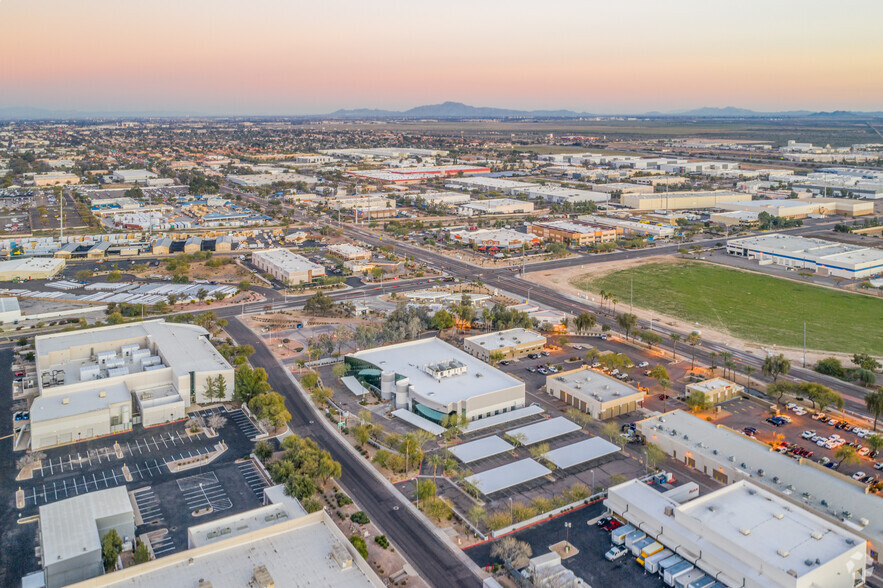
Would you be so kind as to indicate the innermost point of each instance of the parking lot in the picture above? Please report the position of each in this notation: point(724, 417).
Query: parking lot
point(591, 541)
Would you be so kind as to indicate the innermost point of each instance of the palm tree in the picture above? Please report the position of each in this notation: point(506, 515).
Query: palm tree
point(694, 340)
point(874, 404)
point(603, 298)
point(675, 337)
point(713, 356)
point(726, 356)
point(435, 460)
point(748, 371)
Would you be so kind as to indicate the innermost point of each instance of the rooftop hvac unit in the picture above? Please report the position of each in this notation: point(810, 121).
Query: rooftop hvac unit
point(783, 552)
point(778, 515)
point(817, 535)
point(745, 531)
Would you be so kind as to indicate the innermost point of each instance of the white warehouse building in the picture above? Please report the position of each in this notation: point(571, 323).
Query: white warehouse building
point(89, 380)
point(744, 535)
point(434, 379)
point(286, 266)
point(824, 257)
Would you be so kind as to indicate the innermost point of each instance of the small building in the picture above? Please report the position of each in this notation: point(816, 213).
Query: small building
point(9, 310)
point(55, 179)
point(71, 532)
point(67, 250)
point(716, 390)
point(348, 252)
point(496, 206)
point(193, 245)
point(30, 268)
point(224, 243)
point(287, 267)
point(296, 237)
point(161, 246)
point(510, 343)
point(594, 393)
point(827, 258)
point(98, 251)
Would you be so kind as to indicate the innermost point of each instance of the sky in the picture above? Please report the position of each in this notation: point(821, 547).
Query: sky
point(266, 57)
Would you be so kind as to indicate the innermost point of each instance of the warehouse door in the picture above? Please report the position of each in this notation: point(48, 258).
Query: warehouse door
point(720, 477)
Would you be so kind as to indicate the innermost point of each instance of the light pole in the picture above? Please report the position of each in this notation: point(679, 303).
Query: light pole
point(593, 481)
point(567, 532)
point(511, 516)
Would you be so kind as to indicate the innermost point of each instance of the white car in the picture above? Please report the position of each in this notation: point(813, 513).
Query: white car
point(833, 436)
point(817, 416)
point(799, 411)
point(643, 364)
point(790, 406)
point(577, 346)
point(785, 418)
point(614, 372)
point(615, 552)
point(815, 438)
point(878, 465)
point(822, 441)
point(858, 475)
point(864, 451)
point(808, 434)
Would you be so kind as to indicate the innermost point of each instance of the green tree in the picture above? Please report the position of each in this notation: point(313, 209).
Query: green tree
point(775, 366)
point(360, 545)
point(495, 357)
point(425, 489)
point(865, 361)
point(654, 455)
point(874, 442)
point(270, 406)
point(114, 276)
point(610, 430)
point(84, 274)
point(830, 366)
point(114, 318)
point(627, 321)
point(142, 553)
point(249, 383)
point(584, 322)
point(111, 546)
point(651, 338)
point(442, 320)
point(698, 400)
point(778, 389)
point(216, 388)
point(263, 451)
point(244, 286)
point(309, 380)
point(867, 378)
point(874, 404)
point(847, 454)
point(339, 370)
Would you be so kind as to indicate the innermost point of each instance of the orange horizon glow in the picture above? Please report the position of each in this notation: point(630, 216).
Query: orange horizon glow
point(284, 57)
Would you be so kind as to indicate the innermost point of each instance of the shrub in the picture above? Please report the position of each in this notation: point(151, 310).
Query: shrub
point(360, 518)
point(498, 520)
point(342, 499)
point(360, 546)
point(382, 541)
point(312, 505)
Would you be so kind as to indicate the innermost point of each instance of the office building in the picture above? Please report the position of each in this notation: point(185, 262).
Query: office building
point(827, 258)
point(559, 194)
point(574, 233)
point(744, 535)
point(716, 390)
point(727, 456)
point(680, 200)
point(55, 179)
point(642, 228)
point(802, 208)
point(287, 267)
point(434, 379)
point(494, 239)
point(495, 206)
point(348, 252)
point(510, 343)
point(30, 268)
point(132, 176)
point(306, 550)
point(594, 393)
point(104, 380)
point(71, 531)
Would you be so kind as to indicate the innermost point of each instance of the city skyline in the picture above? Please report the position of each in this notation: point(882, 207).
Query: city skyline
point(280, 59)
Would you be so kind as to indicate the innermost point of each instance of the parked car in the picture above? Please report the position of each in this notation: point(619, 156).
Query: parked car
point(544, 353)
point(643, 364)
point(612, 525)
point(646, 372)
point(603, 521)
point(615, 552)
point(864, 451)
point(858, 475)
point(808, 434)
point(19, 373)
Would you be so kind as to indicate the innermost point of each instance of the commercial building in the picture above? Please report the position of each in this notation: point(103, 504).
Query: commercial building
point(287, 267)
point(560, 194)
point(193, 244)
point(802, 208)
point(744, 535)
point(440, 198)
point(824, 257)
point(364, 206)
point(574, 233)
point(55, 179)
point(410, 175)
point(30, 268)
point(10, 311)
point(633, 227)
point(161, 246)
point(485, 184)
point(255, 180)
point(71, 531)
point(304, 550)
point(623, 188)
point(132, 176)
point(716, 390)
point(509, 343)
point(88, 380)
point(494, 239)
point(594, 393)
point(434, 379)
point(680, 200)
point(728, 456)
point(348, 252)
point(495, 206)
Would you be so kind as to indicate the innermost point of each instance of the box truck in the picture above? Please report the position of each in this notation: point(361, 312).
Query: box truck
point(634, 537)
point(651, 564)
point(648, 550)
point(617, 536)
point(638, 546)
point(676, 571)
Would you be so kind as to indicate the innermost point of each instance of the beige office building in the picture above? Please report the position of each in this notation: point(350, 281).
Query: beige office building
point(717, 390)
point(511, 343)
point(681, 200)
point(594, 393)
point(287, 267)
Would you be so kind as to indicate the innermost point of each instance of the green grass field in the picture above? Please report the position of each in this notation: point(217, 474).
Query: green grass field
point(754, 307)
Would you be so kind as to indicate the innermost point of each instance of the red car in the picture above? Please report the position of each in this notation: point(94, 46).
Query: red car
point(664, 396)
point(19, 373)
point(611, 525)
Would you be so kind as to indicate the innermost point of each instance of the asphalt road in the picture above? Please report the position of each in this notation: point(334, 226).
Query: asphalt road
point(435, 561)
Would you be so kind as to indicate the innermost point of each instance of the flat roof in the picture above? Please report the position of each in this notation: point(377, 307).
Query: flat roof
point(545, 429)
point(481, 449)
point(816, 250)
point(9, 304)
point(508, 338)
point(581, 452)
point(238, 524)
point(48, 407)
point(305, 551)
point(31, 264)
point(68, 527)
point(587, 382)
point(511, 474)
point(411, 359)
point(286, 260)
point(503, 417)
point(713, 384)
point(804, 482)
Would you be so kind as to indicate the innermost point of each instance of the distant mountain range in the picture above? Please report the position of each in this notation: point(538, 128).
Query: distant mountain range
point(445, 110)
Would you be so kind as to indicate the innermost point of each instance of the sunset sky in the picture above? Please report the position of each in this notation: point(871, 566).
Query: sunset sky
point(292, 57)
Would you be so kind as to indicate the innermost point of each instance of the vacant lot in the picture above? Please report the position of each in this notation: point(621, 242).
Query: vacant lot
point(750, 306)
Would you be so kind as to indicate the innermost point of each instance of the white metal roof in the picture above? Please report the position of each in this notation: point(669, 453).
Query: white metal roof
point(546, 429)
point(511, 474)
point(481, 449)
point(508, 338)
point(581, 452)
point(418, 421)
point(503, 417)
